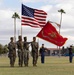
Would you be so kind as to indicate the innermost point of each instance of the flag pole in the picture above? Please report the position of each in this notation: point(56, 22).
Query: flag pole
point(21, 30)
point(59, 25)
point(21, 19)
point(59, 32)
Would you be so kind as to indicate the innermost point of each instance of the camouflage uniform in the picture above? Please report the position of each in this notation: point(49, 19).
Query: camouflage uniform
point(12, 52)
point(26, 51)
point(20, 52)
point(34, 46)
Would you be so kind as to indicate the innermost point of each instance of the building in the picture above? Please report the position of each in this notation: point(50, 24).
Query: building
point(53, 51)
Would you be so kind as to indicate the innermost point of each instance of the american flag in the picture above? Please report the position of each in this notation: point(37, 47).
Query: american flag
point(33, 17)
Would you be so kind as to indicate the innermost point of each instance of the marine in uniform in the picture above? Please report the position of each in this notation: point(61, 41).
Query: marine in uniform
point(35, 47)
point(12, 52)
point(70, 54)
point(20, 51)
point(42, 53)
point(26, 51)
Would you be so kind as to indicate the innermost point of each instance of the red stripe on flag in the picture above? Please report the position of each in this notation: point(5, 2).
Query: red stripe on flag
point(36, 18)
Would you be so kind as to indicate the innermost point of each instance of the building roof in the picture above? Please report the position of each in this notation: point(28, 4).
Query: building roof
point(54, 48)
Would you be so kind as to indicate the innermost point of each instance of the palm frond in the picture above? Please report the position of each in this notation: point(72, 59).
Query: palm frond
point(62, 11)
point(15, 15)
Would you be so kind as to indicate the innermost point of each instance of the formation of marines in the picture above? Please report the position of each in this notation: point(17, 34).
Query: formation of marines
point(23, 51)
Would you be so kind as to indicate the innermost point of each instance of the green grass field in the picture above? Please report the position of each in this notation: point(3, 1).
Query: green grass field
point(53, 66)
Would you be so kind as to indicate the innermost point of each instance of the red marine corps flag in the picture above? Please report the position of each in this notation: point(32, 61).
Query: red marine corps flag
point(50, 34)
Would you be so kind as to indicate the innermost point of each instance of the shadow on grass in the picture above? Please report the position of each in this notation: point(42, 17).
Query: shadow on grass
point(9, 67)
point(17, 67)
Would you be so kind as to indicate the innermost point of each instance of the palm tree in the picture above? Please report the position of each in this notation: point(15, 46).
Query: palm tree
point(14, 16)
point(61, 11)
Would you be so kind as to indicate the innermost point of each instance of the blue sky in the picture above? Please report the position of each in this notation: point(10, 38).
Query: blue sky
point(8, 7)
point(10, 3)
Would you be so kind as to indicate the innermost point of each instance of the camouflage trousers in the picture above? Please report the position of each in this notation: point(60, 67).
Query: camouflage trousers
point(20, 58)
point(26, 57)
point(12, 60)
point(35, 58)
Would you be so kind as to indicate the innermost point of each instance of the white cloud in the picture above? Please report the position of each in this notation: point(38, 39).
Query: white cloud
point(54, 15)
point(51, 7)
point(52, 1)
point(46, 8)
point(5, 14)
point(70, 37)
point(68, 21)
point(6, 18)
point(66, 6)
point(49, 1)
point(26, 1)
